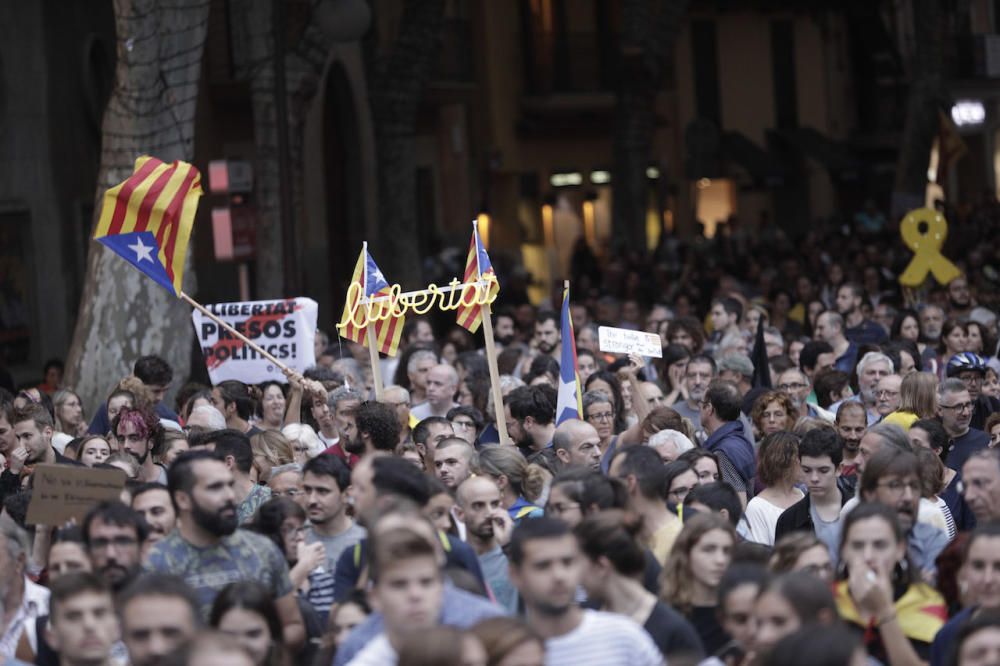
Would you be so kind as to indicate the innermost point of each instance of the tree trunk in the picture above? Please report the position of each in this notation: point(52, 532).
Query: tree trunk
point(398, 80)
point(649, 30)
point(925, 98)
point(123, 314)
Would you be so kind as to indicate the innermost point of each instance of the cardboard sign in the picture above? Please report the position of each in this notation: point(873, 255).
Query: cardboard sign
point(285, 328)
point(624, 341)
point(61, 492)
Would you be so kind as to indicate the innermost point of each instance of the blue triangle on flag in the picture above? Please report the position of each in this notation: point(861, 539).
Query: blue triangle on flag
point(140, 249)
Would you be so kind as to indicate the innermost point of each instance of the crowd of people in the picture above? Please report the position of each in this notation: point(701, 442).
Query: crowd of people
point(808, 475)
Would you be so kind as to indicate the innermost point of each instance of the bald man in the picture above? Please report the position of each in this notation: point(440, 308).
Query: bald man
point(487, 528)
point(442, 383)
point(454, 461)
point(577, 444)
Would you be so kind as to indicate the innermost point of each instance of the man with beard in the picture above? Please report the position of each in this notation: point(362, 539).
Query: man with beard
point(113, 534)
point(233, 448)
point(959, 299)
point(887, 395)
point(860, 331)
point(442, 382)
point(578, 444)
point(336, 422)
point(377, 429)
point(152, 502)
point(955, 412)
point(504, 328)
point(851, 424)
point(22, 600)
point(137, 431)
point(546, 567)
point(547, 337)
point(971, 369)
point(795, 383)
point(830, 329)
point(487, 529)
point(531, 414)
point(728, 438)
point(325, 483)
point(892, 477)
point(208, 551)
point(428, 433)
point(931, 322)
point(872, 367)
point(700, 372)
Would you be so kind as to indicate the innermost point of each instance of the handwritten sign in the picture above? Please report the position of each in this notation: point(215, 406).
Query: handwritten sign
point(61, 492)
point(624, 341)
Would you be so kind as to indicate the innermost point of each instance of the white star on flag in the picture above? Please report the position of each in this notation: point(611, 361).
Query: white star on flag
point(377, 276)
point(567, 395)
point(142, 252)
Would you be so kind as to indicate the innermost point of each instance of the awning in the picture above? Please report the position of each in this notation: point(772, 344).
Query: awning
point(763, 167)
point(836, 157)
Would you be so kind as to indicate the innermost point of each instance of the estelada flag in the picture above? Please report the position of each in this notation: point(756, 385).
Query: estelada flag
point(569, 404)
point(477, 267)
point(147, 219)
point(387, 331)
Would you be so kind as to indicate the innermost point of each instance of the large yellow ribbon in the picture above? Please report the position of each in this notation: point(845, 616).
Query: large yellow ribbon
point(926, 246)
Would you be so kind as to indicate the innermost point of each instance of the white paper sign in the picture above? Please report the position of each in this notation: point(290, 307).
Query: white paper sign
point(624, 341)
point(285, 328)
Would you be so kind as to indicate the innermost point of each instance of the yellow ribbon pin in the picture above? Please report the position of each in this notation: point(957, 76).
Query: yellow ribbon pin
point(926, 246)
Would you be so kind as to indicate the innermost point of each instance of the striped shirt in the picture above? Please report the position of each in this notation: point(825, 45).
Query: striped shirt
point(603, 639)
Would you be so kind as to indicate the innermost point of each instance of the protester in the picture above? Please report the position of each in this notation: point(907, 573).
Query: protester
point(246, 612)
point(778, 470)
point(159, 615)
point(546, 567)
point(693, 572)
point(614, 564)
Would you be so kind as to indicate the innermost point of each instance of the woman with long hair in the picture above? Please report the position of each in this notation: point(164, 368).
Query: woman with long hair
point(614, 563)
point(520, 484)
point(608, 383)
point(69, 413)
point(672, 367)
point(691, 576)
point(237, 402)
point(778, 470)
point(880, 593)
point(788, 602)
point(802, 551)
point(270, 449)
point(954, 340)
point(247, 612)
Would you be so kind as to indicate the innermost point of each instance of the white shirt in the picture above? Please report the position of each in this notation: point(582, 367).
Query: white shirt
point(34, 604)
point(378, 652)
point(603, 639)
point(760, 521)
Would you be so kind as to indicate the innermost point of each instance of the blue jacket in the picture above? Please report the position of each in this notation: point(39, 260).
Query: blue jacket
point(731, 441)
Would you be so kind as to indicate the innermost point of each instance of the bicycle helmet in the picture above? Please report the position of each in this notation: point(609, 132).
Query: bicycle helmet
point(965, 361)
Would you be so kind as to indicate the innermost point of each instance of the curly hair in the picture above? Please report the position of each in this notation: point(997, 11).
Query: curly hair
point(778, 458)
point(676, 580)
point(765, 399)
point(692, 327)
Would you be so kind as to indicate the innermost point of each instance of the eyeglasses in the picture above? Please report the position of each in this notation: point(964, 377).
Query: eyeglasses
point(897, 487)
point(291, 492)
point(797, 386)
point(881, 392)
point(960, 407)
point(602, 416)
point(463, 424)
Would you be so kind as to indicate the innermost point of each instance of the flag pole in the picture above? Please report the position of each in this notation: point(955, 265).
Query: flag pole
point(370, 332)
point(491, 352)
point(250, 343)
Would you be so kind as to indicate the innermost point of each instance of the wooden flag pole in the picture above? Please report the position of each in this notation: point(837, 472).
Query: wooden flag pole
point(369, 329)
point(250, 343)
point(491, 361)
point(376, 366)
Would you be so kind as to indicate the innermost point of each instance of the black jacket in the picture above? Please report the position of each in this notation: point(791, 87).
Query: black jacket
point(798, 518)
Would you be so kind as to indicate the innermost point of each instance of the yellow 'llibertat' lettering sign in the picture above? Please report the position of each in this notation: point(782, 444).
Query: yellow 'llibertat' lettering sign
point(420, 302)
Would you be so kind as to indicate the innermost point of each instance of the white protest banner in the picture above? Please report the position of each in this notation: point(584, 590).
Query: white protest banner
point(624, 341)
point(284, 328)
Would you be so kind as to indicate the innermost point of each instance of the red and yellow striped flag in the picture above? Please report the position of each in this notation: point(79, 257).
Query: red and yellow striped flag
point(368, 282)
point(147, 219)
point(477, 267)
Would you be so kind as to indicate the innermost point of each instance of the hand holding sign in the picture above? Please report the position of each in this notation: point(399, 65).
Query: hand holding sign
point(625, 341)
point(924, 231)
